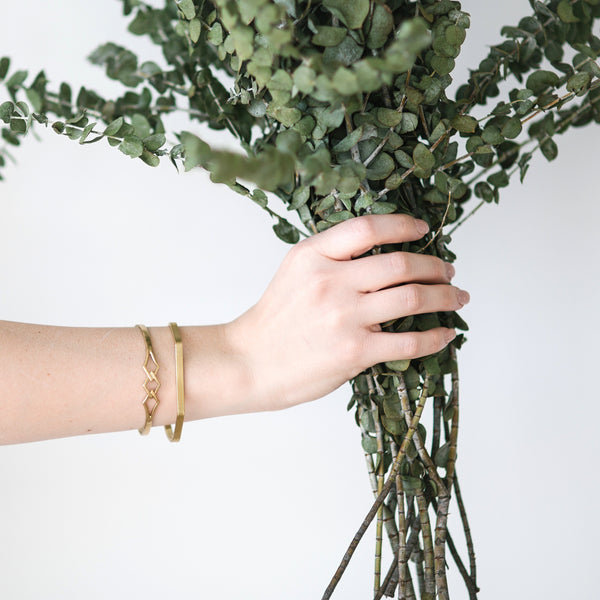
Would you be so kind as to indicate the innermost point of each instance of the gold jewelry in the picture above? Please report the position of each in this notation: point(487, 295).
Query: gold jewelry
point(174, 436)
point(151, 371)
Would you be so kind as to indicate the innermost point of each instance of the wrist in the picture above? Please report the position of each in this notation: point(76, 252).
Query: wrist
point(217, 379)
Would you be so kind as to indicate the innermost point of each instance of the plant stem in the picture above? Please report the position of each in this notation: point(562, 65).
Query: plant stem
point(444, 501)
point(382, 495)
point(467, 531)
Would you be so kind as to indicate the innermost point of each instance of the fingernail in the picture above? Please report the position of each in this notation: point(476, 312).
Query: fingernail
point(449, 335)
point(421, 226)
point(450, 271)
point(463, 297)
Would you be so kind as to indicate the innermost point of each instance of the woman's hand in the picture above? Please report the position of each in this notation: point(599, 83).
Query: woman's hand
point(317, 324)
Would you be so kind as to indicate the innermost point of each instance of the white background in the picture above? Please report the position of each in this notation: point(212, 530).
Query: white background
point(263, 506)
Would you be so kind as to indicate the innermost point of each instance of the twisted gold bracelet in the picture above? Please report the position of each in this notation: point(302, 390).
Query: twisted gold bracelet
point(151, 371)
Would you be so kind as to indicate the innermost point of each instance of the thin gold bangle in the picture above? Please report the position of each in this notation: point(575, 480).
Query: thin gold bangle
point(151, 379)
point(174, 436)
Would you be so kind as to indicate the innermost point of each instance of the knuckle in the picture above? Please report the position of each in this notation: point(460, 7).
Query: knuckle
point(441, 340)
point(364, 227)
point(399, 262)
point(441, 269)
point(411, 345)
point(413, 298)
point(321, 288)
point(354, 352)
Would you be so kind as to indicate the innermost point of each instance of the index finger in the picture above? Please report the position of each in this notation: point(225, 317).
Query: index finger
point(356, 236)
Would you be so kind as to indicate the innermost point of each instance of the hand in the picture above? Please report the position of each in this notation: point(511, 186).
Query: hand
point(317, 324)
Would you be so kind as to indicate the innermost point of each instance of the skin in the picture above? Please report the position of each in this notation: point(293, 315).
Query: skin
point(315, 327)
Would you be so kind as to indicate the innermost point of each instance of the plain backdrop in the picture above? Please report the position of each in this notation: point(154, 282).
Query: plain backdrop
point(263, 506)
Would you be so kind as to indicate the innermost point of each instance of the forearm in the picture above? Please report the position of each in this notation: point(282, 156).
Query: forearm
point(62, 381)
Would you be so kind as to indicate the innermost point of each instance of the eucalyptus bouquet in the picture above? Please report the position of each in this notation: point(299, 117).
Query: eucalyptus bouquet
point(340, 110)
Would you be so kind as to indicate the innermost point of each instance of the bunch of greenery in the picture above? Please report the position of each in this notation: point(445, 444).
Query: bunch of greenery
point(340, 107)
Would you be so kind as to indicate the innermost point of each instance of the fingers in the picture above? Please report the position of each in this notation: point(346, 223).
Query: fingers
point(372, 273)
point(403, 346)
point(354, 237)
point(411, 299)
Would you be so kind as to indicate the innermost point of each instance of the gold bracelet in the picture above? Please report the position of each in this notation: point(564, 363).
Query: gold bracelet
point(151, 371)
point(174, 436)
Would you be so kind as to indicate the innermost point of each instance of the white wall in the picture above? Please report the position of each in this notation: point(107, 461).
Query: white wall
point(263, 506)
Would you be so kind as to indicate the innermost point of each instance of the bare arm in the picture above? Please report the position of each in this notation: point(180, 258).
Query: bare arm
point(315, 327)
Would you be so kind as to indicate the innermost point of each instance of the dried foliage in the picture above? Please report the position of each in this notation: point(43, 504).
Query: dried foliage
point(341, 110)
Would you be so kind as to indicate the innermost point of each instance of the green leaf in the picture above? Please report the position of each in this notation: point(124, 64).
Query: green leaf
point(329, 36)
point(464, 124)
point(352, 14)
point(243, 41)
point(35, 99)
point(114, 127)
point(86, 132)
point(369, 444)
point(215, 35)
point(4, 66)
point(300, 197)
point(565, 12)
point(382, 24)
point(10, 137)
point(16, 79)
point(260, 198)
point(409, 122)
point(484, 191)
point(195, 29)
point(18, 125)
point(346, 52)
point(369, 78)
point(442, 64)
point(6, 111)
point(153, 142)
point(398, 365)
point(304, 79)
point(491, 135)
point(432, 366)
point(340, 216)
point(442, 454)
point(187, 8)
point(394, 426)
point(412, 485)
point(579, 83)
point(512, 128)
point(141, 125)
point(288, 141)
point(381, 167)
point(150, 159)
point(549, 149)
point(349, 141)
point(287, 116)
point(286, 232)
point(423, 157)
point(345, 82)
point(132, 146)
point(389, 117)
point(539, 81)
point(404, 159)
point(197, 152)
point(386, 208)
point(499, 179)
point(455, 35)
